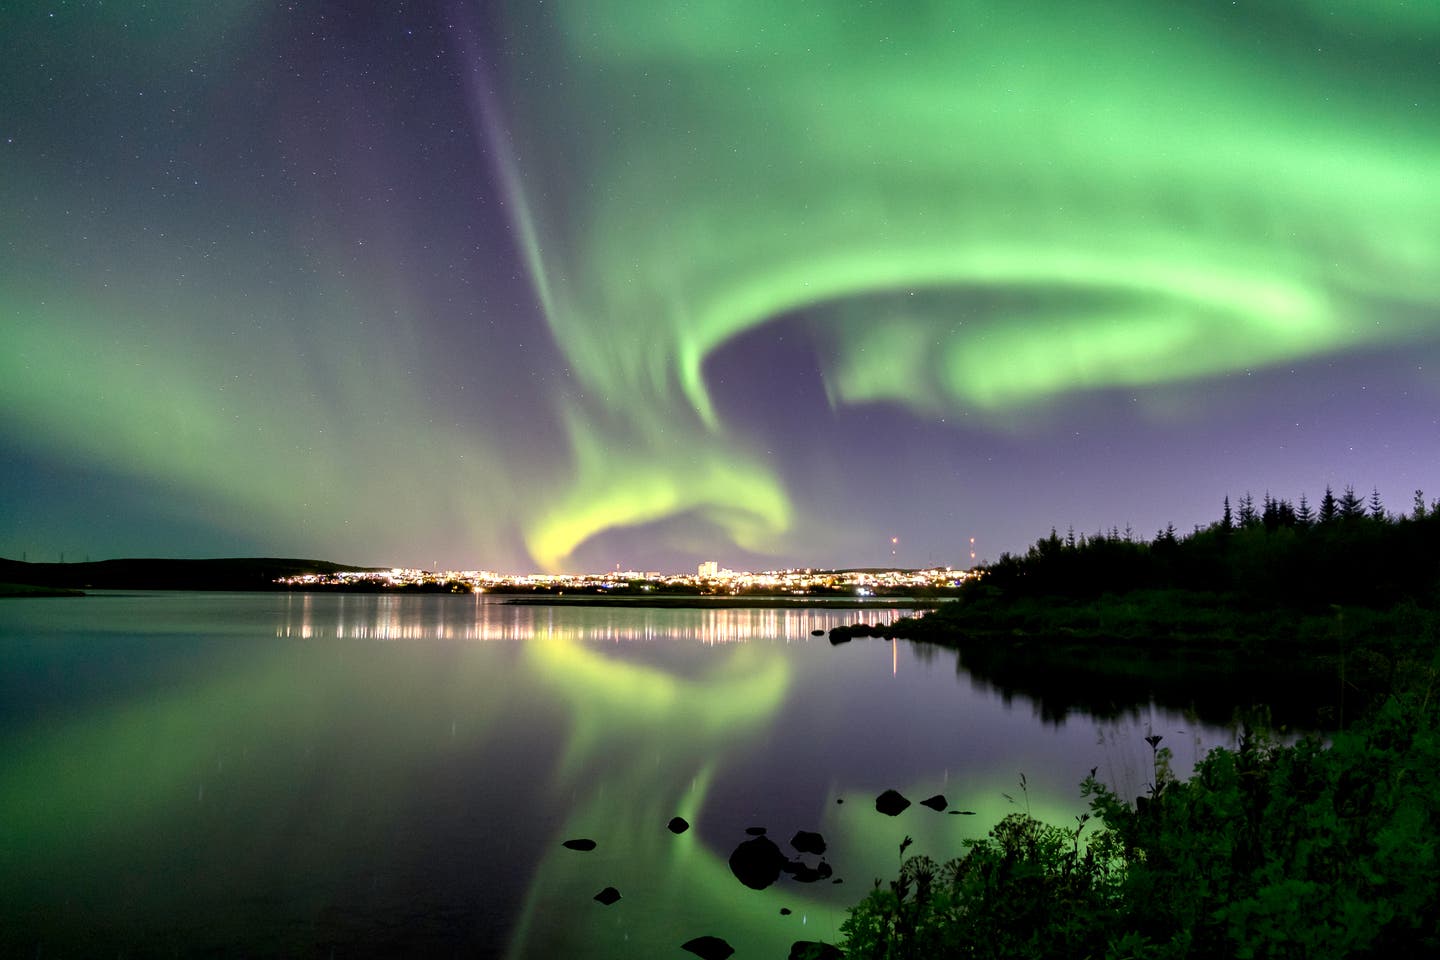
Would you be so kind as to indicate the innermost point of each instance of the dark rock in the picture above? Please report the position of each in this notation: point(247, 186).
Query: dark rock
point(936, 803)
point(678, 825)
point(839, 635)
point(580, 844)
point(891, 803)
point(817, 633)
point(807, 874)
point(708, 948)
point(757, 863)
point(608, 896)
point(839, 799)
point(807, 842)
point(963, 813)
point(784, 911)
point(815, 950)
point(755, 831)
point(838, 880)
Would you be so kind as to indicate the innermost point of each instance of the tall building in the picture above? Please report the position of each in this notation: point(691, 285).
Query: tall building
point(709, 569)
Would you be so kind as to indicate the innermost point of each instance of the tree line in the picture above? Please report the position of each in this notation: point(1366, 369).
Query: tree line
point(1348, 549)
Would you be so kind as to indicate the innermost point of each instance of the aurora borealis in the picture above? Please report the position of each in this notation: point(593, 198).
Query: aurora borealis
point(599, 282)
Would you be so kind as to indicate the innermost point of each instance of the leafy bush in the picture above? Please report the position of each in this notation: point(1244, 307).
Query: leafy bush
point(1029, 889)
point(1270, 851)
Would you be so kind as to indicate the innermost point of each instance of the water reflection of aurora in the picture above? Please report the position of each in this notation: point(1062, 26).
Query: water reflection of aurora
point(247, 768)
point(647, 745)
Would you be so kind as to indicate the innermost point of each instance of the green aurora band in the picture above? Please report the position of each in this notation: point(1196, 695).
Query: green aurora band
point(980, 209)
point(971, 210)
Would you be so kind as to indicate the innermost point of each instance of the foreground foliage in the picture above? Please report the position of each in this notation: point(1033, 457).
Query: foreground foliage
point(1268, 850)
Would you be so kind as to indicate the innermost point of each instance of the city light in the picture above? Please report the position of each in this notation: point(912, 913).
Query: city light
point(709, 579)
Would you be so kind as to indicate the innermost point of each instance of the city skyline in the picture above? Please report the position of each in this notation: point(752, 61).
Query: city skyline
point(555, 286)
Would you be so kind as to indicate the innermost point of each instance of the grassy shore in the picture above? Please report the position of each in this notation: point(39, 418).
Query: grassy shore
point(1316, 849)
point(1319, 848)
point(1207, 652)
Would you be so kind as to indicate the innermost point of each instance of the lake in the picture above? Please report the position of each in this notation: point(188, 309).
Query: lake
point(371, 775)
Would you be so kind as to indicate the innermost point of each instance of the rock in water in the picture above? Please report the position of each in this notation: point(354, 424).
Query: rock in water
point(807, 842)
point(891, 803)
point(580, 843)
point(708, 948)
point(678, 825)
point(757, 863)
point(815, 950)
point(936, 803)
point(817, 633)
point(804, 873)
point(608, 896)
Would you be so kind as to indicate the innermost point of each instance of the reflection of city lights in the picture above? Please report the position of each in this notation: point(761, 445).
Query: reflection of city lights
point(390, 618)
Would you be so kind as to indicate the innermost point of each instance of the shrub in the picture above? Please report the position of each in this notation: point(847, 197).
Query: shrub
point(1029, 889)
point(1306, 850)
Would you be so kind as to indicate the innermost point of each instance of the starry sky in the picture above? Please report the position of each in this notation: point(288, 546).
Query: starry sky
point(586, 283)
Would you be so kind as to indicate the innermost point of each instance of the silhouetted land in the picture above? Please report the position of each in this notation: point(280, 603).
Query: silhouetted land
point(30, 590)
point(241, 573)
point(1318, 848)
point(1334, 608)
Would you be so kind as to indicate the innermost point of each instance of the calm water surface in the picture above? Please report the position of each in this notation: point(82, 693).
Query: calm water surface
point(290, 774)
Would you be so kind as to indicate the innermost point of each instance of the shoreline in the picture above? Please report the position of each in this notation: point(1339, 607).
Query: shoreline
point(725, 602)
point(8, 590)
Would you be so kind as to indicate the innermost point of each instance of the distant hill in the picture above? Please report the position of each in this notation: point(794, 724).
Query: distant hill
point(231, 573)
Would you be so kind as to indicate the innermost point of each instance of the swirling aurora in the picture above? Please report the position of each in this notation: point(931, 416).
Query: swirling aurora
point(515, 285)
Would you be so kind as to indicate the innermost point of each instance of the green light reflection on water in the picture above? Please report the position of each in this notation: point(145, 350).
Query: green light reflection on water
point(300, 758)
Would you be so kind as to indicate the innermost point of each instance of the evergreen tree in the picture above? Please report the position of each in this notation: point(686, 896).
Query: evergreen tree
point(1351, 506)
point(1070, 538)
point(1329, 507)
point(1419, 513)
point(1303, 516)
point(1227, 519)
point(1248, 517)
point(1377, 509)
point(1269, 515)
